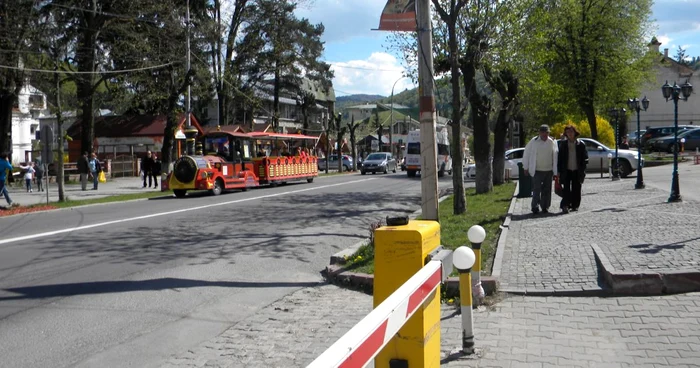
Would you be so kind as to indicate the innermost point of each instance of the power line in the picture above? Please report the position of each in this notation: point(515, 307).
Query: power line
point(372, 69)
point(69, 72)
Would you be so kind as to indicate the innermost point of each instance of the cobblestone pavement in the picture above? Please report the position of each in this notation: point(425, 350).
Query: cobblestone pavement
point(517, 331)
point(636, 229)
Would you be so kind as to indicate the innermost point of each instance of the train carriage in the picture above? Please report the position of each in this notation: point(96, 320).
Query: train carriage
point(234, 160)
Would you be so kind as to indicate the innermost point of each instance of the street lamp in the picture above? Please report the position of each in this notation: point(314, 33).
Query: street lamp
point(391, 119)
point(463, 259)
point(634, 105)
point(615, 113)
point(675, 93)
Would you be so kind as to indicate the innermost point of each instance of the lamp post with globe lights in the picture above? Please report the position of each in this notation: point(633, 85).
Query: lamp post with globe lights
point(463, 259)
point(676, 93)
point(616, 113)
point(634, 105)
point(477, 235)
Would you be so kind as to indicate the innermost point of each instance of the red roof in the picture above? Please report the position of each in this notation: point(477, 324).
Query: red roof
point(116, 126)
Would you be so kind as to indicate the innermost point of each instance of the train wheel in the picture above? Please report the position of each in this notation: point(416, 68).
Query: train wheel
point(310, 180)
point(218, 187)
point(180, 193)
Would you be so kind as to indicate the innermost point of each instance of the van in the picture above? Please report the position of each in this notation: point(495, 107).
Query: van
point(413, 152)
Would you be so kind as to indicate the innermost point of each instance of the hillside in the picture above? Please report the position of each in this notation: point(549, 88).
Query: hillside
point(350, 100)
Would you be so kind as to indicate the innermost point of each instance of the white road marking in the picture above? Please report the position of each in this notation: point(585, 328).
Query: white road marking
point(85, 227)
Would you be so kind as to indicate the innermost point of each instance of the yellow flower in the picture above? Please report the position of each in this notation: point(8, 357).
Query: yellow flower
point(450, 301)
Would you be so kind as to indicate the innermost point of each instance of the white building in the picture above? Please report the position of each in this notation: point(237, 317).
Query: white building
point(660, 112)
point(30, 107)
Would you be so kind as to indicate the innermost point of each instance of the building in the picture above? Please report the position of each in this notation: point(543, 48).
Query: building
point(660, 112)
point(29, 108)
point(364, 111)
point(290, 114)
point(129, 135)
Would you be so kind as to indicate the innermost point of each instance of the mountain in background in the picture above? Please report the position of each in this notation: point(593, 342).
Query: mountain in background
point(351, 100)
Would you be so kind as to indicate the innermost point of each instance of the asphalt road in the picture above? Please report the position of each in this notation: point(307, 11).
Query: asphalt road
point(660, 177)
point(131, 284)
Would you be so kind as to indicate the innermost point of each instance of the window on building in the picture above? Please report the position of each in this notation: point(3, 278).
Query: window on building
point(36, 101)
point(33, 128)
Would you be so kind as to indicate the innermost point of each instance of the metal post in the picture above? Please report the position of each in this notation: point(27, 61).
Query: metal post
point(675, 186)
point(46, 175)
point(189, 65)
point(640, 177)
point(616, 171)
point(429, 182)
point(465, 297)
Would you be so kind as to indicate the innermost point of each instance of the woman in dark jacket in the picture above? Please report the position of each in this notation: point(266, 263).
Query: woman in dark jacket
point(571, 164)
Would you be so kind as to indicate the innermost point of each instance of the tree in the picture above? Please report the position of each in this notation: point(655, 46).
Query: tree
point(505, 83)
point(286, 49)
point(340, 131)
point(306, 102)
point(161, 41)
point(594, 50)
point(352, 126)
point(17, 25)
point(681, 56)
point(449, 13)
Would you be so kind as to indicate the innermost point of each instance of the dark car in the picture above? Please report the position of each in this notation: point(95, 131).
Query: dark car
point(655, 132)
point(691, 138)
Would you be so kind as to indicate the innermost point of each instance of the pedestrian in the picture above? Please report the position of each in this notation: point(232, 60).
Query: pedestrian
point(5, 170)
point(39, 173)
point(571, 163)
point(540, 162)
point(95, 169)
point(28, 175)
point(155, 170)
point(147, 168)
point(83, 170)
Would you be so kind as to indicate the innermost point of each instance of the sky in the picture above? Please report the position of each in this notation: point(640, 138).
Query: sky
point(363, 64)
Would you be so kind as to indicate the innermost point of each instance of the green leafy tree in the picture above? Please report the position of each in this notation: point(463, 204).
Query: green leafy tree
point(681, 56)
point(18, 22)
point(593, 50)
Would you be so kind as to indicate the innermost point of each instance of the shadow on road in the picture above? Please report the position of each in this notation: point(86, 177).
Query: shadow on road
point(105, 287)
point(656, 248)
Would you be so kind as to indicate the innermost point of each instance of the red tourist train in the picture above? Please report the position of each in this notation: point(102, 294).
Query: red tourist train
point(235, 160)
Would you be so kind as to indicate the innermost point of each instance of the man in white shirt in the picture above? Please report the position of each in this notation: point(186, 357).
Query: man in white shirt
point(540, 162)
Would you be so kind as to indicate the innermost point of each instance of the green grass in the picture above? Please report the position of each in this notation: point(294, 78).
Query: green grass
point(488, 210)
point(108, 199)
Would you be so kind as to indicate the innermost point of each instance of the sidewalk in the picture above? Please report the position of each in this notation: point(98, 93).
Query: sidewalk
point(112, 187)
point(518, 332)
point(636, 230)
point(549, 254)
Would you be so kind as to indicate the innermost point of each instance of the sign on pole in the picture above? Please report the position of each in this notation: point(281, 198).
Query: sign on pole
point(47, 144)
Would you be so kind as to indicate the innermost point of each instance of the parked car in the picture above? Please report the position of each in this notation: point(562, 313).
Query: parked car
point(378, 162)
point(663, 131)
point(598, 157)
point(667, 143)
point(632, 137)
point(513, 156)
point(333, 163)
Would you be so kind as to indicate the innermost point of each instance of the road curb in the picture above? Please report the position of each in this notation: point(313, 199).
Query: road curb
point(337, 274)
point(645, 283)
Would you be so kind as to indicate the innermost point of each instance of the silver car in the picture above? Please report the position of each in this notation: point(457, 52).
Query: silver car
point(378, 162)
point(333, 163)
point(598, 157)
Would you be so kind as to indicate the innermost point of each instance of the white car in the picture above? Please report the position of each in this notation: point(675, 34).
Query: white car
point(513, 156)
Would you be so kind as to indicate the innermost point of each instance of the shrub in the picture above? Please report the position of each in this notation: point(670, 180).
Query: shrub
point(606, 133)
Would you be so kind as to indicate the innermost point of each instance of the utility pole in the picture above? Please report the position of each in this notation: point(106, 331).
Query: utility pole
point(429, 182)
point(189, 88)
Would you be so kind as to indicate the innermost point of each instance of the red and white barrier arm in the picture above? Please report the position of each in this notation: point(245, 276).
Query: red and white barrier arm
point(364, 341)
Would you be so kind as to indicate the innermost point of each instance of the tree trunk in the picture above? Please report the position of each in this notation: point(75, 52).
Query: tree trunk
point(480, 107)
point(590, 116)
point(499, 150)
point(460, 201)
point(352, 128)
point(276, 103)
point(166, 152)
point(59, 134)
point(7, 101)
point(85, 59)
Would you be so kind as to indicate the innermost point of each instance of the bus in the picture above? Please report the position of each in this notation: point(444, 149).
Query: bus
point(413, 159)
point(233, 160)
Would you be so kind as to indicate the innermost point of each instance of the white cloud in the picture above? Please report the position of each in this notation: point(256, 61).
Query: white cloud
point(374, 75)
point(665, 40)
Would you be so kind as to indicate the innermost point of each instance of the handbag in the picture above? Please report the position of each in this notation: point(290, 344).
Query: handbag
point(102, 178)
point(558, 190)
